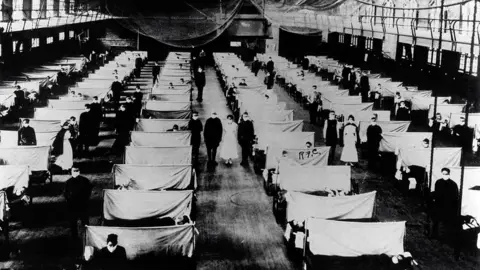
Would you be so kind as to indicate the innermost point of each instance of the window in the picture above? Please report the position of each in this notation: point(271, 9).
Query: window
point(235, 44)
point(1, 50)
point(71, 34)
point(35, 42)
point(15, 44)
point(49, 40)
point(61, 36)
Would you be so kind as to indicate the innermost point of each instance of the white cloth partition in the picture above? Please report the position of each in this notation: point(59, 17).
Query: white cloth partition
point(154, 177)
point(353, 239)
point(420, 103)
point(167, 114)
point(285, 126)
point(161, 139)
point(172, 98)
point(367, 116)
point(160, 125)
point(9, 138)
point(394, 141)
point(470, 178)
point(301, 206)
point(138, 242)
point(446, 109)
point(14, 176)
point(284, 139)
point(56, 114)
point(310, 179)
point(141, 204)
point(44, 125)
point(167, 106)
point(163, 89)
point(387, 126)
point(67, 105)
point(347, 109)
point(442, 157)
point(316, 156)
point(473, 121)
point(329, 102)
point(158, 155)
point(36, 157)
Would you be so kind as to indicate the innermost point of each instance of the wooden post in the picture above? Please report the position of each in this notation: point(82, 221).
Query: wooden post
point(138, 40)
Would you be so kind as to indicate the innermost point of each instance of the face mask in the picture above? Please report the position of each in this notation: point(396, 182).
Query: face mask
point(26, 125)
point(195, 117)
point(214, 116)
point(75, 174)
point(445, 177)
point(111, 249)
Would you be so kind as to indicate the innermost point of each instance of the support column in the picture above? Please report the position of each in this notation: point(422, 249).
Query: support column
point(272, 44)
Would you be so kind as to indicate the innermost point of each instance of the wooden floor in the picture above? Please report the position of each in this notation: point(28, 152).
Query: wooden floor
point(235, 219)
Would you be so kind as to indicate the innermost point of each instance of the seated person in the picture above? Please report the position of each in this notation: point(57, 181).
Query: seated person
point(426, 143)
point(183, 220)
point(113, 255)
point(403, 113)
point(170, 86)
point(243, 83)
point(308, 145)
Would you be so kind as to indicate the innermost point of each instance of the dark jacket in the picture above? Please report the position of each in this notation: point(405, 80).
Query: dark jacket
point(374, 136)
point(155, 70)
point(446, 198)
point(96, 110)
point(121, 123)
point(86, 124)
point(117, 89)
point(26, 136)
point(246, 132)
point(77, 191)
point(196, 127)
point(138, 62)
point(213, 132)
point(200, 79)
point(112, 260)
point(57, 146)
point(270, 66)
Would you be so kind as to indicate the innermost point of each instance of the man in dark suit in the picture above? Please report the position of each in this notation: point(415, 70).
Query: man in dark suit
point(155, 72)
point(26, 134)
point(86, 129)
point(137, 100)
point(270, 65)
point(117, 89)
point(200, 81)
point(77, 193)
point(213, 136)
point(196, 127)
point(138, 66)
point(97, 115)
point(246, 135)
point(374, 136)
point(122, 128)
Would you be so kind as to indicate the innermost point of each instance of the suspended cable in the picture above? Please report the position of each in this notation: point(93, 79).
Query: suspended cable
point(417, 8)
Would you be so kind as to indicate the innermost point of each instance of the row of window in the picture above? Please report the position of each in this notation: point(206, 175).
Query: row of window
point(36, 41)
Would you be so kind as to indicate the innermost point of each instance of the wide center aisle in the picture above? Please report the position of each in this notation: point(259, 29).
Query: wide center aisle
point(237, 229)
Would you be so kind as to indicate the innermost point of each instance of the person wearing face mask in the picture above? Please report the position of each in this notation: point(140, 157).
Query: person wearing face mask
point(229, 147)
point(113, 256)
point(426, 143)
point(462, 136)
point(445, 200)
point(26, 134)
point(213, 136)
point(137, 100)
point(122, 128)
point(403, 113)
point(330, 135)
point(196, 127)
point(117, 89)
point(77, 193)
point(256, 66)
point(97, 115)
point(246, 136)
point(374, 136)
point(73, 128)
point(86, 130)
point(62, 149)
point(350, 140)
point(155, 73)
point(200, 82)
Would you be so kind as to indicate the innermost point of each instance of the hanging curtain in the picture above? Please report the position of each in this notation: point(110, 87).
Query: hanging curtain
point(182, 24)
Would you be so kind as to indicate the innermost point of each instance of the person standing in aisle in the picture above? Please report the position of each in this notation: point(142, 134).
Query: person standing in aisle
point(97, 114)
point(256, 66)
point(330, 135)
point(86, 128)
point(270, 65)
point(155, 73)
point(200, 81)
point(350, 140)
point(246, 136)
point(137, 101)
point(196, 127)
point(213, 136)
point(229, 148)
point(122, 129)
point(77, 193)
point(374, 136)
